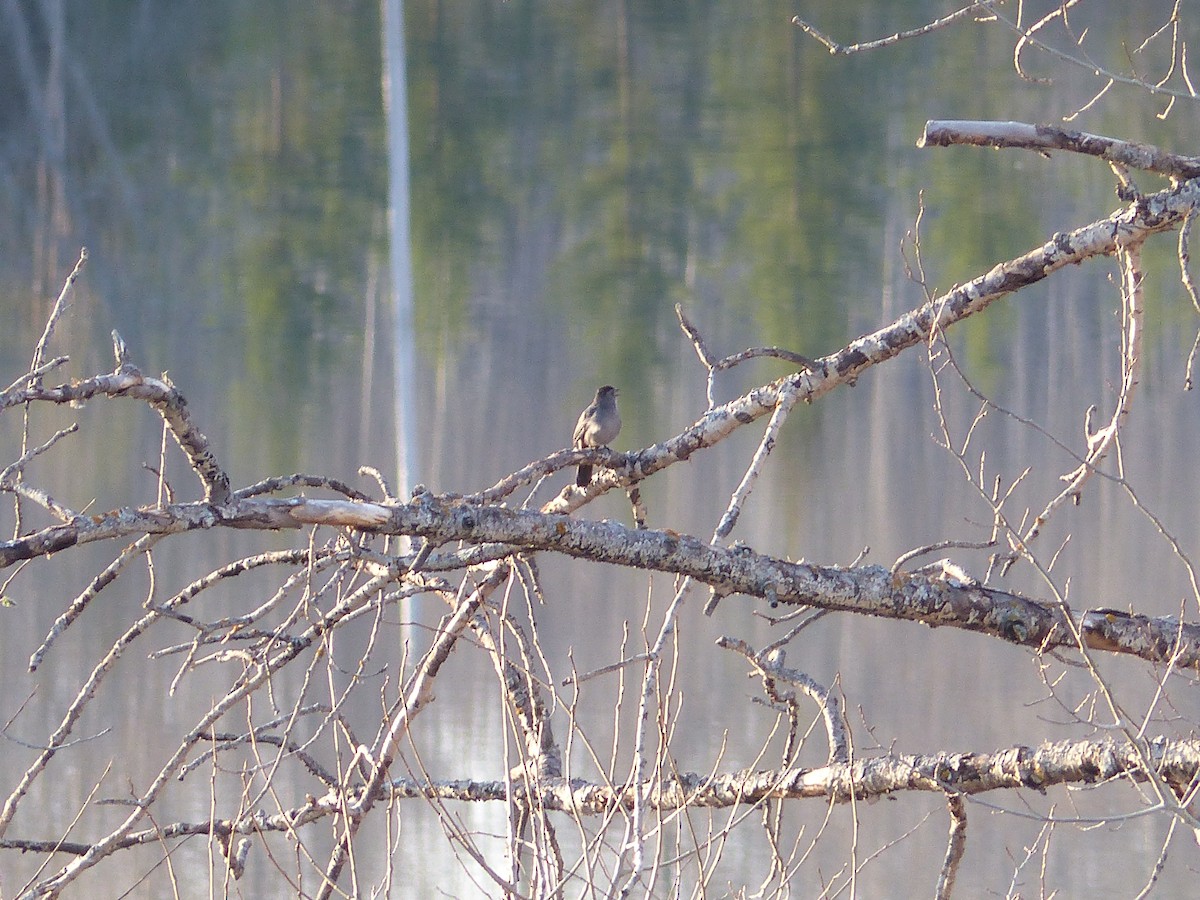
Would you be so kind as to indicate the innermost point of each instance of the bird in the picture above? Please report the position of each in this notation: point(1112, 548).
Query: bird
point(598, 425)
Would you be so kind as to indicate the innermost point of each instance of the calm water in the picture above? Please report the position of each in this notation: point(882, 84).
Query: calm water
point(577, 170)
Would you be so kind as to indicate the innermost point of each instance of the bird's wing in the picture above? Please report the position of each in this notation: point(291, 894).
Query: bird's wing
point(581, 425)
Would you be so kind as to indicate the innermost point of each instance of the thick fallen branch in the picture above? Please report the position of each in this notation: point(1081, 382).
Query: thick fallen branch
point(1063, 762)
point(1044, 138)
point(958, 774)
point(935, 600)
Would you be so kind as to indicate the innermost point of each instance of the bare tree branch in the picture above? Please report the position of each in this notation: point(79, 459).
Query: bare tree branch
point(1045, 138)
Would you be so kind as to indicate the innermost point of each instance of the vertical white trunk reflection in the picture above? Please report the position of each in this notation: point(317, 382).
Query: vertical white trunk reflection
point(395, 104)
point(395, 111)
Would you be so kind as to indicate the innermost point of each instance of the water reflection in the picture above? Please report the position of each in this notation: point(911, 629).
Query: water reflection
point(575, 174)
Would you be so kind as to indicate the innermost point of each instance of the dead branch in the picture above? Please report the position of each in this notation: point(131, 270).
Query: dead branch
point(844, 50)
point(127, 381)
point(1045, 138)
point(956, 846)
point(930, 599)
point(966, 774)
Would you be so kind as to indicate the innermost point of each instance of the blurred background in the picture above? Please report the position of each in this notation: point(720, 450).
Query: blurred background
point(576, 169)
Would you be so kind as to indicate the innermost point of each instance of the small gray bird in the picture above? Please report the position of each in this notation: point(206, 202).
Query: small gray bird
point(598, 425)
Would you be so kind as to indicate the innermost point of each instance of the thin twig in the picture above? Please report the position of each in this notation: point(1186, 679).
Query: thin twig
point(843, 50)
point(60, 307)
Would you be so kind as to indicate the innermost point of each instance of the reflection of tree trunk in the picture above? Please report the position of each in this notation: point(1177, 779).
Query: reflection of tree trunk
point(395, 95)
point(625, 125)
point(46, 97)
point(51, 217)
point(401, 289)
point(624, 69)
point(370, 345)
